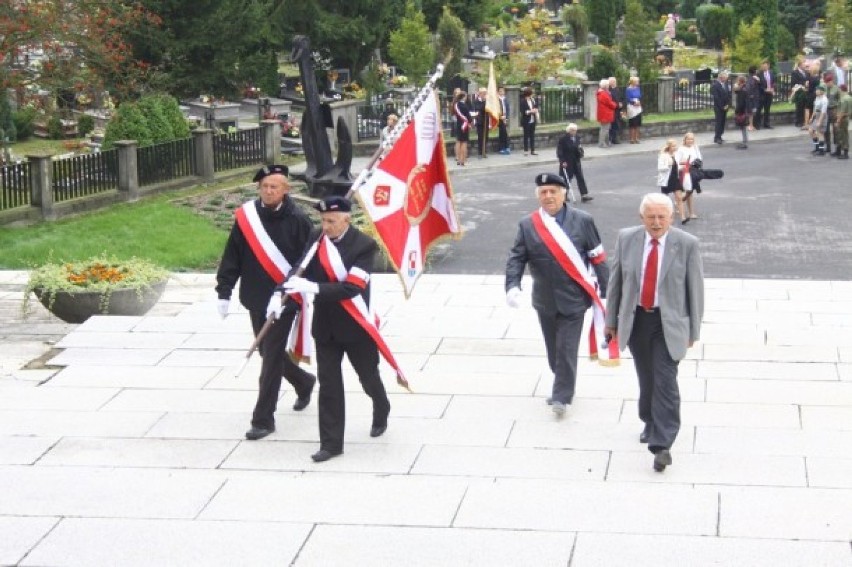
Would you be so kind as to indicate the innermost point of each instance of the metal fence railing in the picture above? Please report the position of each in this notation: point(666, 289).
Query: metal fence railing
point(85, 174)
point(561, 103)
point(166, 161)
point(15, 185)
point(238, 149)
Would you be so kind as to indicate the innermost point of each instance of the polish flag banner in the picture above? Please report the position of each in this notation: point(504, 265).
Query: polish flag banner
point(408, 196)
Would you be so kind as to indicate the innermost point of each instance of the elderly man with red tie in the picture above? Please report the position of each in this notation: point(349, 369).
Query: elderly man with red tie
point(655, 303)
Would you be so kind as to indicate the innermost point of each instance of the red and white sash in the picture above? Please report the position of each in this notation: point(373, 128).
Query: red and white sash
point(566, 255)
point(300, 341)
point(356, 307)
point(465, 122)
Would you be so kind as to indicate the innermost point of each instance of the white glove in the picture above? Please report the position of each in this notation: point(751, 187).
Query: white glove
point(275, 306)
point(300, 285)
point(222, 307)
point(513, 297)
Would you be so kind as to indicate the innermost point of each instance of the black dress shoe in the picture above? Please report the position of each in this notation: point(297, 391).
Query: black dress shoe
point(768, 127)
point(662, 459)
point(586, 198)
point(645, 435)
point(305, 399)
point(324, 454)
point(378, 430)
point(256, 433)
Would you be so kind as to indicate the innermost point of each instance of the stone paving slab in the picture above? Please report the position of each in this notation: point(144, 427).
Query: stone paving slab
point(119, 457)
point(629, 550)
point(96, 541)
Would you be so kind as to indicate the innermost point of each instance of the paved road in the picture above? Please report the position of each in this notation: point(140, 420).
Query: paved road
point(778, 213)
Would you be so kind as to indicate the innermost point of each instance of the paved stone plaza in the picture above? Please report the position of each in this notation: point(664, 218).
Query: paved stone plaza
point(121, 439)
point(128, 448)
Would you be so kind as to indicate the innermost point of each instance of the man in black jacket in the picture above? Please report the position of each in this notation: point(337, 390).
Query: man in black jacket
point(617, 95)
point(338, 276)
point(560, 300)
point(569, 151)
point(721, 103)
point(268, 237)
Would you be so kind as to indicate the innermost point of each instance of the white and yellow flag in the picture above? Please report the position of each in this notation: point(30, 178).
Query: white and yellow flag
point(492, 101)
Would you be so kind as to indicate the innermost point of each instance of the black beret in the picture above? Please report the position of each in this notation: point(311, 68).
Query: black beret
point(334, 204)
point(270, 170)
point(549, 179)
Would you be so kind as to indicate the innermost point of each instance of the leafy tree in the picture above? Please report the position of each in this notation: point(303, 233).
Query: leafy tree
point(656, 7)
point(128, 123)
point(715, 23)
point(410, 46)
point(24, 119)
point(786, 44)
point(748, 10)
point(748, 46)
point(838, 26)
point(687, 8)
point(637, 47)
point(795, 15)
point(536, 55)
point(470, 12)
point(577, 19)
point(84, 44)
point(603, 15)
point(451, 45)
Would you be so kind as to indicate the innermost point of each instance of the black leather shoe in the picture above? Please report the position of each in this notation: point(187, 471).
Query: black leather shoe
point(645, 435)
point(305, 399)
point(324, 454)
point(662, 459)
point(768, 127)
point(586, 198)
point(256, 433)
point(378, 430)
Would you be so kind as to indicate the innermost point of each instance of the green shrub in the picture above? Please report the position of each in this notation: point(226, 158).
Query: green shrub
point(605, 65)
point(54, 128)
point(85, 124)
point(128, 123)
point(7, 119)
point(172, 112)
point(685, 34)
point(715, 24)
point(24, 119)
point(688, 7)
point(158, 125)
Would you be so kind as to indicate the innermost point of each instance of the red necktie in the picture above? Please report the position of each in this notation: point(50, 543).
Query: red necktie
point(649, 284)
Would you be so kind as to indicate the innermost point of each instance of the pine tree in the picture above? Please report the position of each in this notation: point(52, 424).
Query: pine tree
point(748, 46)
point(602, 17)
point(638, 45)
point(451, 44)
point(410, 46)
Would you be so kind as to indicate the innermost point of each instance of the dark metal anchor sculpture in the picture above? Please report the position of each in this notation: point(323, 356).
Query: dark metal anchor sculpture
point(322, 176)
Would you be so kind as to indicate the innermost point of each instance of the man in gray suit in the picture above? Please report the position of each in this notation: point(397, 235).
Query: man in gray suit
point(655, 305)
point(562, 247)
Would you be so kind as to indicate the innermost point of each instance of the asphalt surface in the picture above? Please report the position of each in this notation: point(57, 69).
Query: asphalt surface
point(778, 213)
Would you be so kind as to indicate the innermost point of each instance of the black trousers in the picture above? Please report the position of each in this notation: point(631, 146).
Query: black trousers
point(561, 341)
point(761, 117)
point(659, 396)
point(800, 110)
point(719, 116)
point(577, 171)
point(364, 357)
point(276, 362)
point(615, 128)
point(482, 134)
point(503, 135)
point(529, 137)
point(832, 118)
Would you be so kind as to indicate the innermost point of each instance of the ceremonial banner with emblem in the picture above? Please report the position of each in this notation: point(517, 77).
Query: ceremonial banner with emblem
point(408, 197)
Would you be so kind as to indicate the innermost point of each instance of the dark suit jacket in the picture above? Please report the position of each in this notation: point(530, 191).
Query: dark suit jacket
point(478, 106)
point(721, 95)
point(288, 227)
point(331, 321)
point(553, 290)
point(527, 104)
point(680, 288)
point(763, 85)
point(568, 151)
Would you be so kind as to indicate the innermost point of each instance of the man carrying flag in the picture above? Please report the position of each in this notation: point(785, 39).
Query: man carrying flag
point(407, 195)
point(569, 271)
point(338, 277)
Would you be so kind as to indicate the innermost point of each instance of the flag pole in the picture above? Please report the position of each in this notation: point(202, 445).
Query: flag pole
point(383, 148)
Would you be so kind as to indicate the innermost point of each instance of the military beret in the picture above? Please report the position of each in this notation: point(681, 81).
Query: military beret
point(270, 170)
point(334, 204)
point(549, 179)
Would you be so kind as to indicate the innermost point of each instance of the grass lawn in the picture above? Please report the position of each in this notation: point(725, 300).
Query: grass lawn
point(156, 229)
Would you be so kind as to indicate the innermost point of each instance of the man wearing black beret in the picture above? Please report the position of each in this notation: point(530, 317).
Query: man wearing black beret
point(565, 256)
point(266, 241)
point(338, 276)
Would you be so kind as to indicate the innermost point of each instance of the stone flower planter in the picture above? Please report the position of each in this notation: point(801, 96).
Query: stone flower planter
point(78, 306)
point(74, 291)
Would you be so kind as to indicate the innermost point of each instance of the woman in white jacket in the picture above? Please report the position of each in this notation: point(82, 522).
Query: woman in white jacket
point(685, 157)
point(668, 178)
